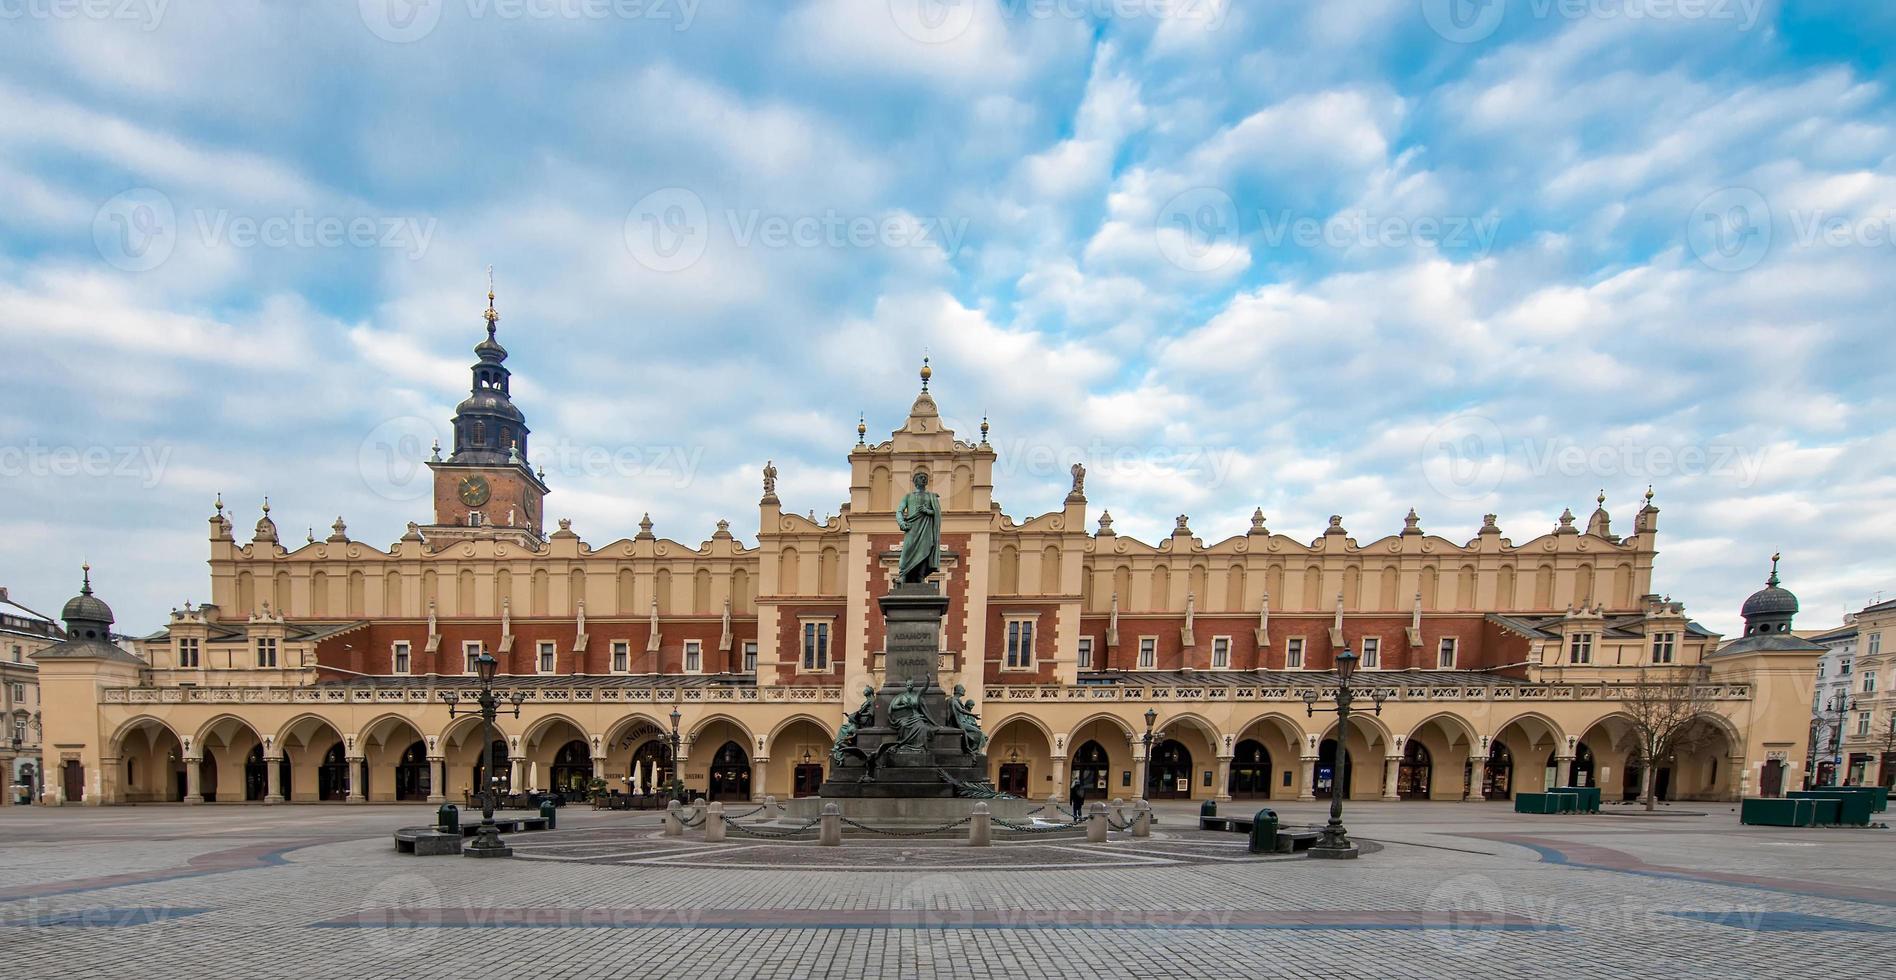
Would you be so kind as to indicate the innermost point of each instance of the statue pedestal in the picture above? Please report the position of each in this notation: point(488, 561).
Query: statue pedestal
point(888, 759)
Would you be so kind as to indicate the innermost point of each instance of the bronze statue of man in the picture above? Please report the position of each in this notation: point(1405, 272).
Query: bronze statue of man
point(919, 517)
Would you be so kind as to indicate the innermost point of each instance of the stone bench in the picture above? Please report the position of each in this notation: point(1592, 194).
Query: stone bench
point(1288, 841)
point(426, 842)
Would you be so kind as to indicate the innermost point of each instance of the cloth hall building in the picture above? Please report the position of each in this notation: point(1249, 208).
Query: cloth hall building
point(316, 672)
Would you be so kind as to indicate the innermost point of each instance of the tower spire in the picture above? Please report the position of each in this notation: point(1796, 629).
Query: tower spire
point(493, 317)
point(1775, 557)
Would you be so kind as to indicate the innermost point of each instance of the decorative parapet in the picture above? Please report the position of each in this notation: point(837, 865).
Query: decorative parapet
point(427, 695)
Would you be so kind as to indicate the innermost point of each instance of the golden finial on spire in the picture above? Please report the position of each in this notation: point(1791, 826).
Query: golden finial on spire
point(266, 506)
point(1601, 499)
point(927, 372)
point(492, 316)
point(862, 427)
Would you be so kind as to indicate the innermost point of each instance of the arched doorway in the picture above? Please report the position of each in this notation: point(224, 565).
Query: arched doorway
point(1327, 776)
point(572, 769)
point(207, 776)
point(1583, 765)
point(730, 774)
point(412, 778)
point(651, 770)
point(1169, 771)
point(1250, 771)
point(1497, 781)
point(1416, 773)
point(503, 770)
point(332, 777)
point(256, 775)
point(1092, 768)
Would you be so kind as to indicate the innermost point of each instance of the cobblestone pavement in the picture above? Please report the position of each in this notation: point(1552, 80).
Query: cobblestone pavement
point(1471, 889)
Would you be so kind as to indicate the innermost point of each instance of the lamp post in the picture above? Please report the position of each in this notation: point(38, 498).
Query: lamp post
point(1335, 842)
point(1145, 781)
point(677, 788)
point(1841, 703)
point(487, 842)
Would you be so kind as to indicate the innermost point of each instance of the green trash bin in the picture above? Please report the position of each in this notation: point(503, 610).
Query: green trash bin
point(448, 819)
point(1264, 832)
point(550, 812)
point(1209, 808)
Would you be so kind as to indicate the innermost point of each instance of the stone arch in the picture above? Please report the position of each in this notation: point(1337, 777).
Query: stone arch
point(625, 725)
point(1544, 724)
point(787, 772)
point(701, 592)
point(538, 728)
point(1049, 570)
point(699, 727)
point(789, 572)
point(961, 494)
point(1112, 736)
point(1531, 739)
point(779, 728)
point(1455, 755)
point(151, 761)
point(1188, 720)
point(1106, 716)
point(881, 499)
point(1021, 757)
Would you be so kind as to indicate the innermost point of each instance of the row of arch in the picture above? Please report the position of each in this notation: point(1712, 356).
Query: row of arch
point(1447, 590)
point(347, 593)
point(1442, 757)
point(1273, 756)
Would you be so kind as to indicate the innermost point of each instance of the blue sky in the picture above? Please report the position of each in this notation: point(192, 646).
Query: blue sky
point(1341, 258)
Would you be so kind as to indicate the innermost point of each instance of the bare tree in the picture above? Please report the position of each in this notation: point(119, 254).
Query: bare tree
point(1664, 706)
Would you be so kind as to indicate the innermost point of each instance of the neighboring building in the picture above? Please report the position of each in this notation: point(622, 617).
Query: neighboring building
point(317, 672)
point(1868, 750)
point(1836, 671)
point(23, 633)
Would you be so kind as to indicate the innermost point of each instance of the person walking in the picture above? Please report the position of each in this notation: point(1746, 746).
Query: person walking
point(1076, 796)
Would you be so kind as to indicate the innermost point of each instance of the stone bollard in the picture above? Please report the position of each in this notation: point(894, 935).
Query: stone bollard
point(714, 824)
point(674, 827)
point(980, 827)
point(830, 834)
point(770, 807)
point(1096, 823)
point(1141, 818)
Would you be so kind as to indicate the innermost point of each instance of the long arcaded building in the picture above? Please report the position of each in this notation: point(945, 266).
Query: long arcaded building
point(316, 672)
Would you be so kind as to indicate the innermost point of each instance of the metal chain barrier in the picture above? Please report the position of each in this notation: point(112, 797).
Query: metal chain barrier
point(1116, 825)
point(1032, 829)
point(747, 813)
point(783, 834)
point(921, 832)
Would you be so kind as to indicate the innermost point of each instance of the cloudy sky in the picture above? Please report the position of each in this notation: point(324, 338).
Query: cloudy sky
point(1316, 258)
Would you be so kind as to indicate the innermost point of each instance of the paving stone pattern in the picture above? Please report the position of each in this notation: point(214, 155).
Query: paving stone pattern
point(1445, 889)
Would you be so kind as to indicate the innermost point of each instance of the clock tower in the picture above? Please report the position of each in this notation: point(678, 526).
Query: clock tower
point(485, 488)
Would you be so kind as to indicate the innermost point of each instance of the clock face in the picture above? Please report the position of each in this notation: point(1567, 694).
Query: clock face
point(474, 490)
point(527, 502)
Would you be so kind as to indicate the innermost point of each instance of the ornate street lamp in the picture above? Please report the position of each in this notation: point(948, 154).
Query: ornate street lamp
point(487, 842)
point(1842, 703)
point(1335, 842)
point(677, 788)
point(1151, 716)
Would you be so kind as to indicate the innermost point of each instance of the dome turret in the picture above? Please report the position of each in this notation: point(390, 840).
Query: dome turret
point(1770, 609)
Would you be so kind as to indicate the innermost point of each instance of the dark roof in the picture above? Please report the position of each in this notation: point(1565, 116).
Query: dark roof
point(1769, 643)
point(1772, 600)
point(87, 650)
point(1627, 627)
